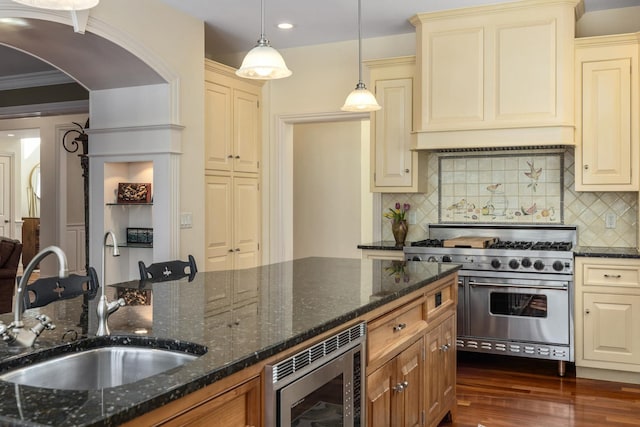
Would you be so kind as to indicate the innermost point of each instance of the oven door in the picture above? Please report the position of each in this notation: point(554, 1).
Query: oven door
point(519, 309)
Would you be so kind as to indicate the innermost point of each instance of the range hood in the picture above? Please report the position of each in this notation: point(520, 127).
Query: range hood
point(495, 76)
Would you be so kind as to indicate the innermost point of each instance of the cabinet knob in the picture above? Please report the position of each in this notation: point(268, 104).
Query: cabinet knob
point(406, 171)
point(586, 167)
point(401, 386)
point(230, 250)
point(6, 221)
point(445, 347)
point(230, 156)
point(237, 249)
point(399, 327)
point(237, 157)
point(587, 311)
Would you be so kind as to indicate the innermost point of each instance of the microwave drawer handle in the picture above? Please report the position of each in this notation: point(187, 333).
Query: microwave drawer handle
point(564, 286)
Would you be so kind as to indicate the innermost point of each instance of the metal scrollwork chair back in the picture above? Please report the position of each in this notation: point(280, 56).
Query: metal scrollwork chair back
point(168, 270)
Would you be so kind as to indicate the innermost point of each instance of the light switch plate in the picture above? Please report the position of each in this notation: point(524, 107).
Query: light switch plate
point(186, 220)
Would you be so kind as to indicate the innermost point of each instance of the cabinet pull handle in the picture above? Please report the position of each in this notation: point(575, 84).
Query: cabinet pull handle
point(613, 276)
point(401, 386)
point(399, 327)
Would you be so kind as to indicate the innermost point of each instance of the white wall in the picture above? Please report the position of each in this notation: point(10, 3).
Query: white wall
point(611, 21)
point(326, 189)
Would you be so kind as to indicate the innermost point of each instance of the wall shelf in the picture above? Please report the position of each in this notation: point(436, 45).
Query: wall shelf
point(129, 204)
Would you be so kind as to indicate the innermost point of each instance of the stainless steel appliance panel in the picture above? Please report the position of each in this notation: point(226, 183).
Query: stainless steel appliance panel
point(519, 310)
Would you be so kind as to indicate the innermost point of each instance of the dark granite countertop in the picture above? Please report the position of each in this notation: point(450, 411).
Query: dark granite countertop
point(606, 252)
point(383, 245)
point(296, 301)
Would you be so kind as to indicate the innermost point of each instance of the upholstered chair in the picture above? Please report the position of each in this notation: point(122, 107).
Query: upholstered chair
point(10, 251)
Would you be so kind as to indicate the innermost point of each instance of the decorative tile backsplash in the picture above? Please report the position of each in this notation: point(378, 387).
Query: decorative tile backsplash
point(587, 210)
point(509, 188)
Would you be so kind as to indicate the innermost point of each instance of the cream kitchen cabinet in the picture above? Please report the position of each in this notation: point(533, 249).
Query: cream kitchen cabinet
point(232, 120)
point(607, 319)
point(232, 229)
point(607, 108)
point(395, 168)
point(495, 75)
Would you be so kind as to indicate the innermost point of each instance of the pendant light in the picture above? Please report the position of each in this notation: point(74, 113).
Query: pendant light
point(360, 99)
point(60, 4)
point(263, 62)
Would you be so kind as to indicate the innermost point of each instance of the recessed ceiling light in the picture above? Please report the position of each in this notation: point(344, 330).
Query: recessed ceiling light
point(11, 134)
point(285, 26)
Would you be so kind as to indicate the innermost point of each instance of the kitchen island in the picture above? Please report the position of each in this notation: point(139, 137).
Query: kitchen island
point(243, 317)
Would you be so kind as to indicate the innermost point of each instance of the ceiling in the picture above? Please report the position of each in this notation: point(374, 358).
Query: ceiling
point(233, 26)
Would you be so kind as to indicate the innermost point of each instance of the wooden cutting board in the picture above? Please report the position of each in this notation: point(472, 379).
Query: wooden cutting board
point(469, 242)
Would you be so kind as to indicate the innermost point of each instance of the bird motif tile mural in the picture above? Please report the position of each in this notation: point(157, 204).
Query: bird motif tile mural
point(510, 188)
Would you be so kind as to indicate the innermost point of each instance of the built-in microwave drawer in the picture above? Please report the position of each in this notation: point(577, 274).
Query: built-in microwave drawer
point(625, 274)
point(389, 332)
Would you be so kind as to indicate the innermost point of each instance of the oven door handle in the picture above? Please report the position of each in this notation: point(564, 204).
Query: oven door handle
point(563, 286)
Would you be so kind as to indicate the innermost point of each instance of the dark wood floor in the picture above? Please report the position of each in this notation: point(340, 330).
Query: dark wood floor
point(499, 391)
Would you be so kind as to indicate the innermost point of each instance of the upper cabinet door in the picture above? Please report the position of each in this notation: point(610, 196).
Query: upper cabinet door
point(393, 133)
point(395, 168)
point(218, 140)
point(607, 137)
point(246, 128)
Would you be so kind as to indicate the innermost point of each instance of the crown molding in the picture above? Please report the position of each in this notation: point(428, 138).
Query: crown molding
point(41, 78)
point(49, 109)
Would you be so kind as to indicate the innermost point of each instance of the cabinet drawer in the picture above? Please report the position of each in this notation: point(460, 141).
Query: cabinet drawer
point(441, 300)
point(627, 276)
point(391, 331)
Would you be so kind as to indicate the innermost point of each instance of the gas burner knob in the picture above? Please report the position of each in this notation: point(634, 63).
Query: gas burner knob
point(514, 264)
point(558, 265)
point(416, 258)
point(446, 258)
point(526, 262)
point(495, 263)
point(432, 259)
point(538, 265)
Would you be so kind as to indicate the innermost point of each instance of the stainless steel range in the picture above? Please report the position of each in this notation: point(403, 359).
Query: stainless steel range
point(515, 290)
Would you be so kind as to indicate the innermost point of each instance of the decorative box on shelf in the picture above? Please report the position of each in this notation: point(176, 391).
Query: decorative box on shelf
point(131, 192)
point(140, 237)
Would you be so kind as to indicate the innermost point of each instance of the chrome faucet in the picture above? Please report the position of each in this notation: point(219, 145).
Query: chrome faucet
point(105, 308)
point(14, 334)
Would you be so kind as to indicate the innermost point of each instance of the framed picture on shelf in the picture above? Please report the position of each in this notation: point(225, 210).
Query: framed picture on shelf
point(140, 236)
point(134, 192)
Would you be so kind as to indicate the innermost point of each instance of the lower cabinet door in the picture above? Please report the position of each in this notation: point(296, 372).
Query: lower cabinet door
point(379, 393)
point(238, 407)
point(395, 390)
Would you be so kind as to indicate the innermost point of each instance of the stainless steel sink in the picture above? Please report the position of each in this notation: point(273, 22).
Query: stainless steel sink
point(97, 368)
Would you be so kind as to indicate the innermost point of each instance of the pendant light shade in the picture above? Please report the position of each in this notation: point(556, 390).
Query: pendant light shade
point(360, 99)
point(263, 62)
point(60, 4)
